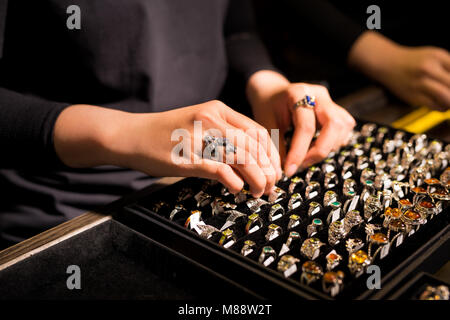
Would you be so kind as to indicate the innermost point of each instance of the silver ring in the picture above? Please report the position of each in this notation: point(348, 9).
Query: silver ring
point(348, 185)
point(287, 265)
point(206, 231)
point(311, 248)
point(267, 256)
point(255, 204)
point(313, 172)
point(400, 228)
point(293, 235)
point(178, 208)
point(314, 208)
point(353, 245)
point(372, 206)
point(228, 238)
point(294, 220)
point(202, 199)
point(233, 215)
point(329, 197)
point(329, 165)
point(211, 146)
point(391, 214)
point(375, 155)
point(335, 213)
point(348, 169)
point(352, 219)
point(219, 206)
point(312, 190)
point(315, 226)
point(294, 201)
point(273, 231)
point(368, 129)
point(248, 247)
point(362, 163)
point(254, 223)
point(273, 212)
point(294, 182)
point(371, 229)
point(277, 194)
point(330, 180)
point(336, 232)
point(241, 196)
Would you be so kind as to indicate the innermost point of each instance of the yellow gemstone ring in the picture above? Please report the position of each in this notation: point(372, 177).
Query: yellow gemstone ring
point(254, 223)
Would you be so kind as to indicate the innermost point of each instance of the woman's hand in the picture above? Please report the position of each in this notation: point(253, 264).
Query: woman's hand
point(418, 75)
point(273, 97)
point(89, 136)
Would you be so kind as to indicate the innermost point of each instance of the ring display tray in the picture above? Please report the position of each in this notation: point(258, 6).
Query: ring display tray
point(415, 287)
point(149, 215)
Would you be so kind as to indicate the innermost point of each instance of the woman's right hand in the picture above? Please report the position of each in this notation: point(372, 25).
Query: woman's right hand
point(87, 136)
point(419, 76)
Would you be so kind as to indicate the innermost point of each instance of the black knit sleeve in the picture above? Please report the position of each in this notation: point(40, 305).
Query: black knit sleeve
point(26, 130)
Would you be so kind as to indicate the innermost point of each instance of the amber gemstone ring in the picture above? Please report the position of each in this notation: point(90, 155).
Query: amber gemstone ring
point(333, 260)
point(358, 261)
point(311, 272)
point(332, 282)
point(379, 239)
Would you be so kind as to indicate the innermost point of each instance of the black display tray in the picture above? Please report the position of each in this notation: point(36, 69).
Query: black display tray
point(403, 262)
point(269, 283)
point(413, 289)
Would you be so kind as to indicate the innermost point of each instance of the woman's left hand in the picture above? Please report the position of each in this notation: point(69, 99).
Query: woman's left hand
point(273, 98)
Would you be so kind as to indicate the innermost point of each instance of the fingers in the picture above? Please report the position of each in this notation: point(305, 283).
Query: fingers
point(442, 75)
point(222, 172)
point(444, 57)
point(439, 92)
point(305, 128)
point(258, 133)
point(328, 139)
point(251, 172)
point(255, 154)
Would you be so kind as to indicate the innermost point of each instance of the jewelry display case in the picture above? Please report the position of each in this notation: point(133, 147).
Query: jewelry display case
point(149, 245)
point(310, 240)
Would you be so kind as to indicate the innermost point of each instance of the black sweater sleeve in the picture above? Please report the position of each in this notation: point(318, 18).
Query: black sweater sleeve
point(245, 50)
point(332, 24)
point(26, 123)
point(26, 130)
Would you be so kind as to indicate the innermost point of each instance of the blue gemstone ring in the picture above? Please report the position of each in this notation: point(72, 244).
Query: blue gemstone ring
point(307, 101)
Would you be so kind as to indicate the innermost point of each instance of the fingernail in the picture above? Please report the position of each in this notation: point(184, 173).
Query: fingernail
point(291, 170)
point(279, 174)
